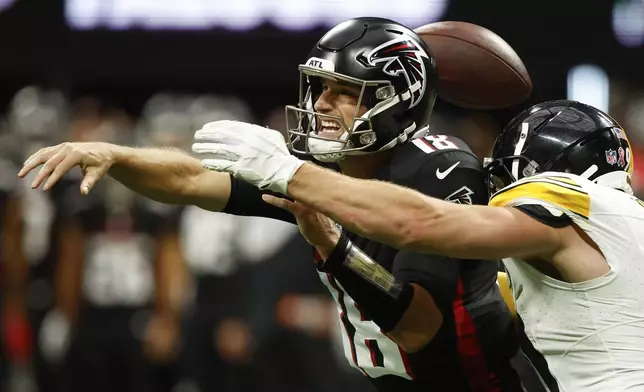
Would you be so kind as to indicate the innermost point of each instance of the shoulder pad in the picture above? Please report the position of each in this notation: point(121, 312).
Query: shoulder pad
point(556, 190)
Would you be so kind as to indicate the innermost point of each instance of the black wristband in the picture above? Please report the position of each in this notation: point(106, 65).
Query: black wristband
point(338, 255)
point(345, 255)
point(380, 297)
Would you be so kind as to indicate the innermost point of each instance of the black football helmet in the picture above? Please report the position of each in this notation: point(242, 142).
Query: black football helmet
point(395, 73)
point(562, 136)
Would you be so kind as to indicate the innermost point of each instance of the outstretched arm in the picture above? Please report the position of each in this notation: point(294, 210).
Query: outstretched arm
point(170, 176)
point(383, 212)
point(409, 220)
point(165, 175)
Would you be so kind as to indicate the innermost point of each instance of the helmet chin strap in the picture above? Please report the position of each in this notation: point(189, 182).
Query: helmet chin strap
point(525, 127)
point(328, 151)
point(325, 148)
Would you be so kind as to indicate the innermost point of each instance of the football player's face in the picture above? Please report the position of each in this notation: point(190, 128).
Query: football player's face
point(337, 99)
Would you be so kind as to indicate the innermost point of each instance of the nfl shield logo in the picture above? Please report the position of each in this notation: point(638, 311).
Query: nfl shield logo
point(611, 157)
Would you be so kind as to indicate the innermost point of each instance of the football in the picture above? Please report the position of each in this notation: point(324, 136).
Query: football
point(477, 69)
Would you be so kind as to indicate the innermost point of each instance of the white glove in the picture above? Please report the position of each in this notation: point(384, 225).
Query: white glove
point(250, 152)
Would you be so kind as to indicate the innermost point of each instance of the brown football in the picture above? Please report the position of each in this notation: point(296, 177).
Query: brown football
point(477, 69)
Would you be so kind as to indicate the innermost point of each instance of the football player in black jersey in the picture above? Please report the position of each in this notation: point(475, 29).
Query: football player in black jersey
point(367, 92)
point(563, 218)
point(15, 350)
point(36, 117)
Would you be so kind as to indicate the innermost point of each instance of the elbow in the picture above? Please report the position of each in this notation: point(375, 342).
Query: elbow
point(420, 323)
point(411, 346)
point(412, 341)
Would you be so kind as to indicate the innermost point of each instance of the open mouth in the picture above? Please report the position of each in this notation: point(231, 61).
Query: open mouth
point(330, 129)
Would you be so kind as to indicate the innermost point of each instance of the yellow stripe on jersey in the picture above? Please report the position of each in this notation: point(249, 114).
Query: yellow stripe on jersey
point(562, 195)
point(562, 181)
point(567, 180)
point(506, 292)
point(640, 202)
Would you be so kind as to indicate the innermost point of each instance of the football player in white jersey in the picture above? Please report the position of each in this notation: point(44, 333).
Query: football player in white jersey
point(563, 218)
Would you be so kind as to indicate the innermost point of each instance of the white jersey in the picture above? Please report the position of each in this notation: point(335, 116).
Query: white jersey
point(591, 334)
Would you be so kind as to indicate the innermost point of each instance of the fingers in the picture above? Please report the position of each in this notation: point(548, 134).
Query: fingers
point(229, 126)
point(219, 165)
point(219, 126)
point(216, 151)
point(59, 170)
point(235, 133)
point(223, 136)
point(285, 204)
point(37, 159)
point(92, 175)
point(56, 161)
point(221, 131)
point(281, 203)
point(48, 168)
point(217, 157)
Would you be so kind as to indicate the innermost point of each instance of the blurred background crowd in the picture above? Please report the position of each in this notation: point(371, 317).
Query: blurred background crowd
point(114, 292)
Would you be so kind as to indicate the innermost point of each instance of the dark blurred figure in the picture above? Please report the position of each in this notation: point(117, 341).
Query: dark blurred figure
point(116, 324)
point(295, 322)
point(217, 340)
point(15, 331)
point(36, 118)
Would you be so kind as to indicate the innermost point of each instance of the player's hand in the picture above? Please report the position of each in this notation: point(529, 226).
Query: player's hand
point(94, 159)
point(319, 230)
point(250, 152)
point(234, 340)
point(161, 339)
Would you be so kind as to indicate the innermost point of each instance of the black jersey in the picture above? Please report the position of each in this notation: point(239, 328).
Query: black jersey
point(474, 346)
point(120, 244)
point(8, 186)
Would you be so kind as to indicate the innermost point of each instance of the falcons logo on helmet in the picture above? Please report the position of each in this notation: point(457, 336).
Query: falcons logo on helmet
point(403, 57)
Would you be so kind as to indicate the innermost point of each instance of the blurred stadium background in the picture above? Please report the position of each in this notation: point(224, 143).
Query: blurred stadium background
point(124, 294)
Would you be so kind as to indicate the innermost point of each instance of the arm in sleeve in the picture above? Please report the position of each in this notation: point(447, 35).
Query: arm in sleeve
point(246, 200)
point(407, 302)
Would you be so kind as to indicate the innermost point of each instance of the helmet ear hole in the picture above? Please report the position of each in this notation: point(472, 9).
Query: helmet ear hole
point(370, 97)
point(385, 92)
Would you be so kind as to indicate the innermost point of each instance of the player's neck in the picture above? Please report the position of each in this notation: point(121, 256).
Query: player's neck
point(364, 166)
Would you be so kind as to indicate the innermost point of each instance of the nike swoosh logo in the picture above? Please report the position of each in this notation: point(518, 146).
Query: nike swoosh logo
point(442, 174)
